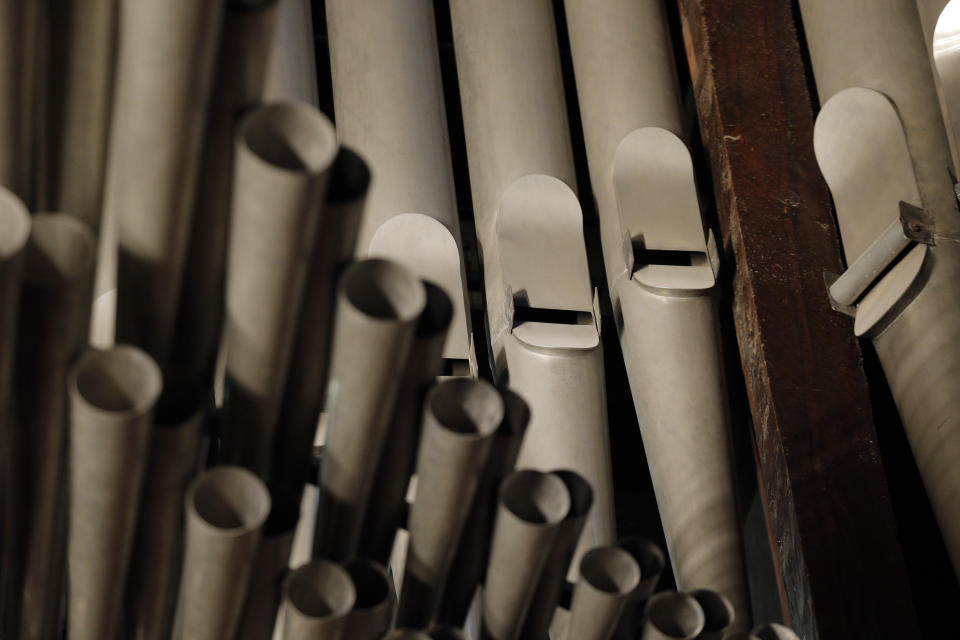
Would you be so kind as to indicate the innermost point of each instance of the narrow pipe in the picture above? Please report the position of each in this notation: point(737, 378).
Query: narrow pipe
point(377, 310)
point(460, 418)
point(673, 616)
point(309, 367)
point(652, 562)
point(291, 61)
point(388, 504)
point(373, 610)
point(54, 315)
point(531, 507)
point(774, 631)
point(608, 575)
point(270, 565)
point(283, 157)
point(155, 564)
point(248, 30)
point(718, 613)
point(554, 576)
point(112, 396)
point(226, 508)
point(470, 561)
point(446, 633)
point(317, 598)
point(165, 62)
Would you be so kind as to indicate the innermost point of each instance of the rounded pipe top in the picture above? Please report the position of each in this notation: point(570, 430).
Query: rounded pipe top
point(117, 383)
point(465, 407)
point(229, 500)
point(534, 497)
point(384, 290)
point(61, 249)
point(610, 570)
point(675, 615)
point(717, 610)
point(320, 590)
point(371, 582)
point(289, 136)
point(14, 225)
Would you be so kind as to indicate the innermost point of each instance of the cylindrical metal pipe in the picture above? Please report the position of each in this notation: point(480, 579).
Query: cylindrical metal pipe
point(459, 420)
point(284, 152)
point(377, 310)
point(166, 56)
point(651, 560)
point(291, 61)
point(373, 610)
point(608, 575)
point(317, 598)
point(532, 505)
point(717, 611)
point(672, 616)
point(112, 396)
point(226, 508)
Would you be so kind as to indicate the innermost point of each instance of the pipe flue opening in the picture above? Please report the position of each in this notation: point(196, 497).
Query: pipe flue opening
point(370, 581)
point(120, 380)
point(384, 290)
point(466, 406)
point(717, 610)
point(535, 497)
point(293, 136)
point(676, 615)
point(321, 589)
point(230, 498)
point(14, 225)
point(61, 248)
point(610, 569)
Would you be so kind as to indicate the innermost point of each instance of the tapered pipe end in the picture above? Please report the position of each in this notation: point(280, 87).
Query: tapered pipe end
point(466, 408)
point(674, 615)
point(289, 137)
point(61, 249)
point(14, 225)
point(229, 500)
point(384, 290)
point(318, 593)
point(535, 498)
point(116, 384)
point(717, 610)
point(774, 631)
point(610, 570)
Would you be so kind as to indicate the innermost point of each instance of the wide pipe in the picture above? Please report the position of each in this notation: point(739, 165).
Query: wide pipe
point(673, 616)
point(283, 156)
point(377, 310)
point(317, 598)
point(717, 611)
point(112, 397)
point(373, 610)
point(226, 508)
point(651, 560)
point(532, 505)
point(608, 575)
point(460, 418)
point(388, 497)
point(165, 63)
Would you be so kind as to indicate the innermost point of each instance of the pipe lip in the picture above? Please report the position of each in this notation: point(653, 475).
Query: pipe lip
point(289, 137)
point(465, 408)
point(610, 570)
point(117, 383)
point(284, 511)
point(320, 590)
point(61, 249)
point(229, 500)
point(537, 498)
point(15, 224)
point(581, 493)
point(371, 583)
point(675, 615)
point(648, 555)
point(446, 633)
point(774, 631)
point(717, 609)
point(383, 291)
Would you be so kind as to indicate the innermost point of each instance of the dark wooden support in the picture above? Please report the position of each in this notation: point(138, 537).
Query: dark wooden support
point(839, 563)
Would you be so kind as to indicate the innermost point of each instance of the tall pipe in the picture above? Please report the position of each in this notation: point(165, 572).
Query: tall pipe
point(54, 315)
point(388, 497)
point(652, 562)
point(673, 616)
point(608, 575)
point(284, 152)
point(112, 396)
point(377, 310)
point(165, 62)
point(318, 597)
point(372, 613)
point(459, 420)
point(155, 564)
point(248, 30)
point(718, 613)
point(291, 61)
point(226, 508)
point(531, 507)
point(554, 577)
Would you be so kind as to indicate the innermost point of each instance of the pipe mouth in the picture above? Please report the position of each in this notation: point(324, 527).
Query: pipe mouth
point(384, 290)
point(736, 635)
point(648, 555)
point(122, 381)
point(371, 582)
point(581, 493)
point(229, 499)
point(774, 631)
point(466, 407)
point(446, 633)
point(290, 136)
point(182, 398)
point(675, 615)
point(717, 610)
point(320, 589)
point(437, 312)
point(284, 511)
point(15, 225)
point(349, 177)
point(610, 570)
point(535, 497)
point(61, 249)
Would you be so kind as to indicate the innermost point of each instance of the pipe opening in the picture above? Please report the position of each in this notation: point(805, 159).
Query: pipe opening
point(647, 554)
point(61, 249)
point(676, 615)
point(230, 498)
point(535, 497)
point(581, 493)
point(384, 290)
point(349, 177)
point(183, 396)
point(610, 569)
point(437, 312)
point(466, 406)
point(121, 380)
point(774, 631)
point(370, 582)
point(717, 610)
point(14, 225)
point(291, 136)
point(321, 589)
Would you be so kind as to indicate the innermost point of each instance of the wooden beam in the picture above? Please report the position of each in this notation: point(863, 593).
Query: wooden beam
point(836, 544)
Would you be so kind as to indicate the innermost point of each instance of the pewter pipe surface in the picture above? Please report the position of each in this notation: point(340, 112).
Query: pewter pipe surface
point(774, 631)
point(378, 305)
point(112, 396)
point(284, 152)
point(651, 560)
point(79, 97)
point(165, 61)
point(470, 561)
point(226, 508)
point(553, 579)
point(270, 566)
point(459, 420)
point(672, 616)
point(388, 503)
point(291, 61)
point(608, 575)
point(531, 507)
point(309, 365)
point(248, 29)
point(373, 610)
point(717, 611)
point(54, 315)
point(155, 561)
point(317, 598)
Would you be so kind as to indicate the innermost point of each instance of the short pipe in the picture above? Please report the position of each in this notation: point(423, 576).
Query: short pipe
point(652, 562)
point(373, 610)
point(718, 613)
point(608, 575)
point(673, 616)
point(317, 598)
